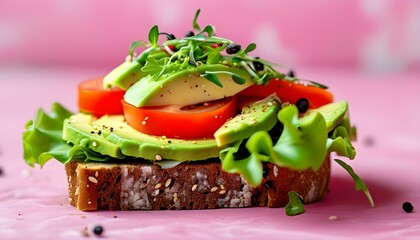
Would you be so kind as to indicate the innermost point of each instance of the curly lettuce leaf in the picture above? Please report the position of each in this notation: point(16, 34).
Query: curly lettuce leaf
point(302, 145)
point(340, 143)
point(303, 142)
point(351, 130)
point(250, 167)
point(42, 140)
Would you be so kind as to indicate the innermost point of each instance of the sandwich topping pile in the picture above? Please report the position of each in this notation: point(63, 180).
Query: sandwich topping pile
point(199, 98)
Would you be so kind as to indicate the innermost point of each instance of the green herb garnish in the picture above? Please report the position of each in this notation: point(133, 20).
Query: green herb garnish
point(201, 49)
point(360, 185)
point(154, 35)
point(295, 205)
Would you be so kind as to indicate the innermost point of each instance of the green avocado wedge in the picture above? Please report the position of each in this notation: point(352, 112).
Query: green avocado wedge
point(78, 130)
point(171, 89)
point(333, 113)
point(124, 75)
point(118, 139)
point(261, 115)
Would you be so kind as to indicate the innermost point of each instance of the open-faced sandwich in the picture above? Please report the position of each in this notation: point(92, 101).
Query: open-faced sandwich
point(195, 123)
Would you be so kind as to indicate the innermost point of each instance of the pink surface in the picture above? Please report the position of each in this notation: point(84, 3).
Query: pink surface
point(33, 202)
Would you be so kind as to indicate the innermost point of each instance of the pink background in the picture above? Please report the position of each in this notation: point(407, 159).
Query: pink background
point(374, 35)
point(47, 47)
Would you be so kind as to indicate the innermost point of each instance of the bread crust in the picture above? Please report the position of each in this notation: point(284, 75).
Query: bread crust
point(194, 185)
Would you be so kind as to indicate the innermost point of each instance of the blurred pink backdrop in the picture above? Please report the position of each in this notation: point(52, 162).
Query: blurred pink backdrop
point(377, 35)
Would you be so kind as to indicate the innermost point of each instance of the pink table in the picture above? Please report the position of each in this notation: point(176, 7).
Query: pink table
point(385, 108)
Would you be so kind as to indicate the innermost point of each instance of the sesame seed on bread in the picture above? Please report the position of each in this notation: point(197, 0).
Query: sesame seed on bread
point(193, 185)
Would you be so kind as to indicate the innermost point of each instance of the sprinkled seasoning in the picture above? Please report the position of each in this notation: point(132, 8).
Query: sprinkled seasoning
point(170, 36)
point(158, 157)
point(291, 74)
point(85, 232)
point(302, 105)
point(407, 207)
point(194, 187)
point(189, 34)
point(233, 48)
point(157, 186)
point(276, 171)
point(93, 179)
point(257, 65)
point(175, 195)
point(168, 182)
point(98, 230)
point(94, 144)
point(268, 184)
point(1, 171)
point(266, 171)
point(214, 189)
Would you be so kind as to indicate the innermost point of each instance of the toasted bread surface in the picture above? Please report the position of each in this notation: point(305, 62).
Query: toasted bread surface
point(194, 185)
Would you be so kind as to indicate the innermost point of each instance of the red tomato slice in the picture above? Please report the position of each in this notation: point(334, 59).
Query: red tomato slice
point(289, 91)
point(191, 122)
point(94, 99)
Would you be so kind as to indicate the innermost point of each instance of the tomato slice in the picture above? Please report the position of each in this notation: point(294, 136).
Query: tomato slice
point(94, 99)
point(289, 91)
point(191, 122)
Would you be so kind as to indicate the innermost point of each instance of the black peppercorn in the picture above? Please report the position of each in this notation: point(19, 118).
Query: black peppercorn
point(258, 65)
point(170, 37)
point(189, 34)
point(291, 74)
point(266, 171)
point(98, 230)
point(407, 207)
point(302, 105)
point(233, 48)
point(1, 171)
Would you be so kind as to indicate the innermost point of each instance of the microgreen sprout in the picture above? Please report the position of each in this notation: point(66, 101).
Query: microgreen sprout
point(200, 48)
point(360, 185)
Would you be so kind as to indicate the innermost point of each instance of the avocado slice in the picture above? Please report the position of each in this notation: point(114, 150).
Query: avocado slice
point(261, 115)
point(171, 89)
point(78, 130)
point(333, 113)
point(118, 139)
point(124, 75)
point(136, 144)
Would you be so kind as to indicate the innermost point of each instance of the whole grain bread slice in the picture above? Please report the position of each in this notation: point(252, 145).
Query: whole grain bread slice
point(194, 185)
